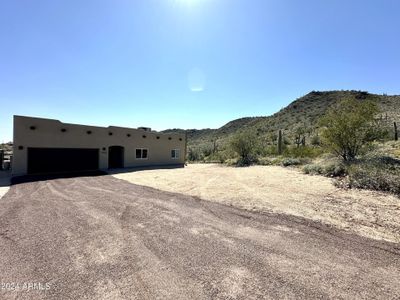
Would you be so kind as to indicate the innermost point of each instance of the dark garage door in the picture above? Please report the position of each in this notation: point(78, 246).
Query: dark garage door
point(58, 160)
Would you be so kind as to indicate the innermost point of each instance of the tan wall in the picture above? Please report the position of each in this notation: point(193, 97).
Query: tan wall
point(48, 134)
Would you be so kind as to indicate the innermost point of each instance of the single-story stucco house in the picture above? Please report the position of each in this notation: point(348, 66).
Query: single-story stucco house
point(43, 146)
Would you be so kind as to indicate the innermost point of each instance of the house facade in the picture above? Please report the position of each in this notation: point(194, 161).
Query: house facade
point(44, 146)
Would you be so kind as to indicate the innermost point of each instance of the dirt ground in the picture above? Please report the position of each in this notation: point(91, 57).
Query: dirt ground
point(105, 238)
point(283, 190)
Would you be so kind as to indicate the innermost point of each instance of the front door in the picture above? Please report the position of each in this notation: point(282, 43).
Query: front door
point(115, 157)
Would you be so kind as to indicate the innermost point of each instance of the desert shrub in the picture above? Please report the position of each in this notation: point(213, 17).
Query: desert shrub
point(245, 145)
point(286, 141)
point(332, 169)
point(206, 151)
point(335, 170)
point(271, 150)
point(302, 152)
point(194, 154)
point(219, 156)
point(389, 148)
point(377, 174)
point(270, 161)
point(265, 161)
point(313, 169)
point(213, 158)
point(244, 162)
point(291, 162)
point(349, 126)
point(315, 140)
point(231, 161)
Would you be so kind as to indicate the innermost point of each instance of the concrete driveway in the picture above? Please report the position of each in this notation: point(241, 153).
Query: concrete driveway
point(104, 238)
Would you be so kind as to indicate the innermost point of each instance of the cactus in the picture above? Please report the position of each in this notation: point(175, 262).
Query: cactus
point(396, 134)
point(280, 142)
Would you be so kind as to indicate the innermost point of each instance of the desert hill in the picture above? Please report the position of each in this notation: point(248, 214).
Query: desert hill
point(302, 114)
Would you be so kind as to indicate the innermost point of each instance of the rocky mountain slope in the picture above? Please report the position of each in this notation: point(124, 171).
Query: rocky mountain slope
point(302, 114)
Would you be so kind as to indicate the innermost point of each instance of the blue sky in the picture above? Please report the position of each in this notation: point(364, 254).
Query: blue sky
point(188, 63)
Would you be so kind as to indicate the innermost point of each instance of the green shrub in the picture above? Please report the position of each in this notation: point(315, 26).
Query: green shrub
point(335, 170)
point(245, 162)
point(265, 161)
point(332, 169)
point(313, 169)
point(194, 154)
point(303, 152)
point(219, 156)
point(245, 145)
point(315, 140)
point(270, 161)
point(377, 174)
point(291, 162)
point(271, 150)
point(349, 126)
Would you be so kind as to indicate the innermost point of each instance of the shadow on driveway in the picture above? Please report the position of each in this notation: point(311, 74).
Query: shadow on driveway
point(40, 177)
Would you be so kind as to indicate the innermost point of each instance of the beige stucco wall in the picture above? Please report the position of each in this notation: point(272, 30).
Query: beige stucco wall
point(48, 134)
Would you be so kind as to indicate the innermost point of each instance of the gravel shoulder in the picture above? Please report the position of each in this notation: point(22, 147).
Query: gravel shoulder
point(105, 238)
point(282, 190)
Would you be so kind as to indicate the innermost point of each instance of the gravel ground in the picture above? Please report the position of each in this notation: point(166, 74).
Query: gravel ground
point(105, 238)
point(283, 190)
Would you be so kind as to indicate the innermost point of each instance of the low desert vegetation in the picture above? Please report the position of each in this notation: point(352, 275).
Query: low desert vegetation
point(351, 142)
point(377, 173)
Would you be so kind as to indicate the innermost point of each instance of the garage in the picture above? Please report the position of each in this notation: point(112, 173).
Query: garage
point(62, 160)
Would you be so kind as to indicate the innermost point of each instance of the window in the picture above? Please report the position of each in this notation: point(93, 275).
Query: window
point(141, 153)
point(175, 153)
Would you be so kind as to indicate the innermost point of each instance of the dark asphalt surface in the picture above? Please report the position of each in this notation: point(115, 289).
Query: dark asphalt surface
point(104, 238)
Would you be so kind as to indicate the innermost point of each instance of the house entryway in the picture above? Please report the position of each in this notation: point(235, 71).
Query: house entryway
point(115, 157)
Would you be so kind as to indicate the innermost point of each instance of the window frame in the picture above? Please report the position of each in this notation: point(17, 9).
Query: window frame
point(141, 154)
point(176, 151)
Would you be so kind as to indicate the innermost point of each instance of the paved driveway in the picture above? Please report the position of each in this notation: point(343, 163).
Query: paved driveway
point(104, 238)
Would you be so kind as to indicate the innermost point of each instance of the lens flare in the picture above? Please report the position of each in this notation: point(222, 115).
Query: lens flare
point(196, 80)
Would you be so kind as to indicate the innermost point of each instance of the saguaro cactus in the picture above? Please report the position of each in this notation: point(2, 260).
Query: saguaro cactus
point(396, 134)
point(280, 142)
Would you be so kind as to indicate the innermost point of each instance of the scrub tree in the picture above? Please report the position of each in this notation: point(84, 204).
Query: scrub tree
point(245, 145)
point(349, 126)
